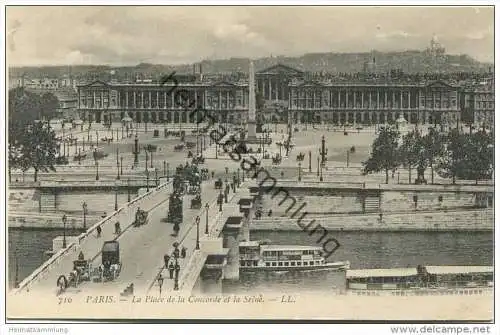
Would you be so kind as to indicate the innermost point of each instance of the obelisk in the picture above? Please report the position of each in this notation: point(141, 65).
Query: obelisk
point(251, 135)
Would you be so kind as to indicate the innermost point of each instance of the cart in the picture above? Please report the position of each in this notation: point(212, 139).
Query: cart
point(111, 265)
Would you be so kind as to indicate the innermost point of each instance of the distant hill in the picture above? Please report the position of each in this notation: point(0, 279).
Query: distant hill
point(407, 61)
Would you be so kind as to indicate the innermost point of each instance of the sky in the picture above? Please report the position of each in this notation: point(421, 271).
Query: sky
point(176, 35)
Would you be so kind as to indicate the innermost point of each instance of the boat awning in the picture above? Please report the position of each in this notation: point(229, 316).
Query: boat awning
point(374, 273)
point(442, 270)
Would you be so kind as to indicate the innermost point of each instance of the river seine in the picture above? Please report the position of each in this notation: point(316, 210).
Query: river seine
point(362, 249)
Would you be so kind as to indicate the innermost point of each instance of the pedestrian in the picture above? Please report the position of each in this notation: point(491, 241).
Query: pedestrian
point(183, 252)
point(177, 270)
point(166, 259)
point(176, 253)
point(118, 229)
point(99, 231)
point(176, 228)
point(171, 271)
point(104, 215)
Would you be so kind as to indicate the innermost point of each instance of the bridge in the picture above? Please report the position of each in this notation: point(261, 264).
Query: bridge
point(142, 248)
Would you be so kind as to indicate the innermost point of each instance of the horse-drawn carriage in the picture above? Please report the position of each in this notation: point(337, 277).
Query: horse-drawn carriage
point(190, 154)
point(198, 160)
point(111, 265)
point(179, 147)
point(300, 157)
point(353, 149)
point(204, 174)
point(107, 139)
point(83, 269)
point(277, 160)
point(196, 202)
point(194, 189)
point(79, 157)
point(141, 218)
point(218, 184)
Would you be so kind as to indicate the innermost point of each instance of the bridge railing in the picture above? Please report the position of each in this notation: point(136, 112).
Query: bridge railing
point(192, 268)
point(72, 247)
point(113, 182)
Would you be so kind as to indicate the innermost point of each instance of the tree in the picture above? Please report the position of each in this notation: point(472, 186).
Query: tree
point(468, 156)
point(409, 151)
point(384, 155)
point(26, 107)
point(38, 146)
point(453, 163)
point(481, 155)
point(433, 144)
point(48, 106)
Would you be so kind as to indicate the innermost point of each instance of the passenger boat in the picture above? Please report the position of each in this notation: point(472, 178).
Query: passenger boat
point(422, 280)
point(263, 256)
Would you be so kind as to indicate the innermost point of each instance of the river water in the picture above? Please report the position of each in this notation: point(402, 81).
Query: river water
point(362, 249)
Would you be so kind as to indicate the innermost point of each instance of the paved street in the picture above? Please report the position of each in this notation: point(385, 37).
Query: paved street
point(141, 248)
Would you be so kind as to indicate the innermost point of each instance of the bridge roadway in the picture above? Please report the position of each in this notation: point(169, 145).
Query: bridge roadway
point(141, 248)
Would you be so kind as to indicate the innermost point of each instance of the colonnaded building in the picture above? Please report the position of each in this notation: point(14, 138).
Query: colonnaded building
point(285, 93)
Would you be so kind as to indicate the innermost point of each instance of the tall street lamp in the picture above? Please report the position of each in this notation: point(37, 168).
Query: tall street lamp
point(300, 170)
point(128, 189)
point(318, 168)
point(64, 220)
point(117, 170)
point(147, 181)
point(116, 195)
point(96, 170)
point(121, 165)
point(207, 207)
point(84, 206)
point(309, 161)
point(197, 233)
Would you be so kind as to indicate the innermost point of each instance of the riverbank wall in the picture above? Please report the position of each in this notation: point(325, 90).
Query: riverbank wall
point(466, 220)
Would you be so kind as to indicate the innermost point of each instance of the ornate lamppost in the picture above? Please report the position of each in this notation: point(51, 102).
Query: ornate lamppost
point(116, 195)
point(121, 165)
point(64, 220)
point(84, 206)
point(128, 189)
point(136, 150)
point(300, 171)
point(323, 152)
point(207, 207)
point(96, 170)
point(197, 233)
point(309, 161)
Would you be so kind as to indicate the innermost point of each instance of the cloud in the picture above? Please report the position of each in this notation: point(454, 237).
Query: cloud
point(480, 35)
point(394, 34)
point(175, 34)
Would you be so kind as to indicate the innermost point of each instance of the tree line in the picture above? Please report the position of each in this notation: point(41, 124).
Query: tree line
point(454, 155)
point(32, 143)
